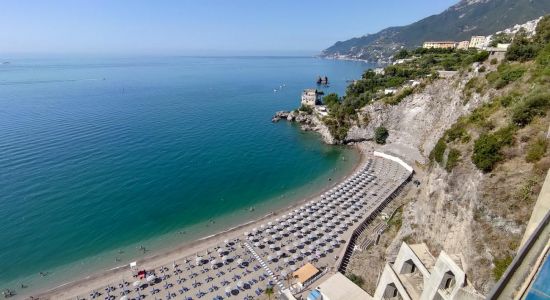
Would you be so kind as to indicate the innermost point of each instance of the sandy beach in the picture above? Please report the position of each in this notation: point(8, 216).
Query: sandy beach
point(85, 284)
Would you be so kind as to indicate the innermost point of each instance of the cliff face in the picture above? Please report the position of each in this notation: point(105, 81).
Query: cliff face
point(481, 216)
point(419, 120)
point(308, 122)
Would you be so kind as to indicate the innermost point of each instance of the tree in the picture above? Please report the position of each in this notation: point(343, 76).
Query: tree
point(402, 54)
point(542, 35)
point(331, 100)
point(500, 38)
point(380, 135)
point(521, 49)
point(269, 291)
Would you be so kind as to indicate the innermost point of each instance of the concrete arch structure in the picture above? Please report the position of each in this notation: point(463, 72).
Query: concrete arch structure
point(416, 274)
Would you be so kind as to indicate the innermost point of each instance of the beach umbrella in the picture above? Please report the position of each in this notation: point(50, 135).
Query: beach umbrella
point(123, 298)
point(279, 253)
point(270, 257)
point(224, 258)
point(246, 233)
point(220, 250)
point(288, 248)
point(239, 261)
point(284, 273)
point(240, 284)
point(228, 289)
point(213, 262)
point(136, 283)
point(226, 241)
point(272, 246)
point(269, 223)
point(293, 267)
point(286, 260)
point(151, 278)
point(257, 244)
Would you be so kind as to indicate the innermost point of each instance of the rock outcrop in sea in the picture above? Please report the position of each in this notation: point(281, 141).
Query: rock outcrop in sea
point(308, 122)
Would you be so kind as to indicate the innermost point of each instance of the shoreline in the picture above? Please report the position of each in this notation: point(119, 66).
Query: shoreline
point(166, 257)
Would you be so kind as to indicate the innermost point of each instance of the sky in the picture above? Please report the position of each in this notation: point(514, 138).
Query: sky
point(200, 27)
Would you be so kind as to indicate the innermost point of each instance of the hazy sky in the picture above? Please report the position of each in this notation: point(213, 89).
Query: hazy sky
point(197, 27)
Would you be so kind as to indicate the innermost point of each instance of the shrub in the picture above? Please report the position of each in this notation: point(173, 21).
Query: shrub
point(380, 135)
point(452, 159)
point(476, 84)
point(438, 151)
point(536, 150)
point(492, 77)
point(533, 105)
point(402, 54)
point(394, 100)
point(331, 100)
point(508, 100)
point(306, 108)
point(487, 148)
point(505, 74)
point(500, 38)
point(358, 280)
point(542, 68)
point(494, 61)
point(457, 132)
point(511, 73)
point(481, 56)
point(522, 49)
point(501, 264)
point(486, 152)
point(481, 69)
point(542, 34)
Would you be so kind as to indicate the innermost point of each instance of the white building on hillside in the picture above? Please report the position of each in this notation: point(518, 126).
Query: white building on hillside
point(416, 274)
point(478, 41)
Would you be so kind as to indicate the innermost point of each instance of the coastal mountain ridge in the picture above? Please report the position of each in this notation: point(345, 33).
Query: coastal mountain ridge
point(458, 22)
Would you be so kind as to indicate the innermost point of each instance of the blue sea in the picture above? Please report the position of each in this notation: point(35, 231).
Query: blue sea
point(100, 155)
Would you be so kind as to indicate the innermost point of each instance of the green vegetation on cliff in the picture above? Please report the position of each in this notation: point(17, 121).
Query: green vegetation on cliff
point(418, 68)
point(524, 83)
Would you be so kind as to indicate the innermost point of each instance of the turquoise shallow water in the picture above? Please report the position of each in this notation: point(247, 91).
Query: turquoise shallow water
point(98, 155)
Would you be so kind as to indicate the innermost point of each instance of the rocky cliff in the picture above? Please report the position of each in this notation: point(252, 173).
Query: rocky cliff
point(459, 208)
point(417, 122)
point(308, 122)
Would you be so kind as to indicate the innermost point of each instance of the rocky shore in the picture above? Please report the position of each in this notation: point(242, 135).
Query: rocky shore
point(308, 122)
